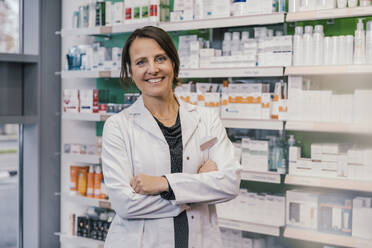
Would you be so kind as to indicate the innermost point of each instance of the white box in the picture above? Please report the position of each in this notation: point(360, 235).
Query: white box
point(362, 218)
point(302, 209)
point(71, 100)
point(294, 153)
point(316, 151)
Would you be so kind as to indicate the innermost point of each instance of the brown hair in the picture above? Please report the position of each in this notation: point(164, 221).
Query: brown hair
point(164, 41)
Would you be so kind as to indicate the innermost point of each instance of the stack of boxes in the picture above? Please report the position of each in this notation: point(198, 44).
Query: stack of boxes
point(238, 51)
point(323, 212)
point(307, 103)
point(263, 209)
point(332, 161)
point(255, 155)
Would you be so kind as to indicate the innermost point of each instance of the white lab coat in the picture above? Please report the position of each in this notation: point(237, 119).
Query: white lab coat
point(132, 144)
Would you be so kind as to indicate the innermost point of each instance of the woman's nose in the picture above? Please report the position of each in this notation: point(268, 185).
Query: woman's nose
point(153, 68)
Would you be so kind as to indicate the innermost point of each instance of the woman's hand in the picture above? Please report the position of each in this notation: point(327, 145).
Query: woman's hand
point(208, 166)
point(149, 185)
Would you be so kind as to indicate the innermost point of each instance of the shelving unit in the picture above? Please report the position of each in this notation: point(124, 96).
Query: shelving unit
point(85, 117)
point(325, 238)
point(237, 21)
point(249, 227)
point(258, 176)
point(328, 127)
point(328, 70)
point(105, 30)
point(81, 120)
point(263, 19)
point(253, 124)
point(331, 183)
point(80, 241)
point(329, 14)
point(82, 158)
point(86, 201)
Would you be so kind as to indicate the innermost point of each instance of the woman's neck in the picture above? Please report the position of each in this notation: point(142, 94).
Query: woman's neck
point(162, 108)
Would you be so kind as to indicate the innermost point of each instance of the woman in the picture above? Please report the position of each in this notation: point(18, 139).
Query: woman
point(166, 163)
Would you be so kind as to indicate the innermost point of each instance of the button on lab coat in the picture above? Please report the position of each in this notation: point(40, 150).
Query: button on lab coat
point(134, 144)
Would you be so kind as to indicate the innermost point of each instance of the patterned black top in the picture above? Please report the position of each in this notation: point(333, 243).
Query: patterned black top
point(173, 136)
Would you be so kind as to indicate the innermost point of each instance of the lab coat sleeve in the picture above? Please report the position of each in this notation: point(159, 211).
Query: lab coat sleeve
point(211, 187)
point(117, 170)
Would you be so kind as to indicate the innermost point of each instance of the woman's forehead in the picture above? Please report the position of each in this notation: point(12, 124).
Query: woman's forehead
point(143, 47)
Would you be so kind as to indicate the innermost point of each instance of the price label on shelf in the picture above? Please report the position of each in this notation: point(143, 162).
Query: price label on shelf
point(105, 30)
point(104, 204)
point(251, 72)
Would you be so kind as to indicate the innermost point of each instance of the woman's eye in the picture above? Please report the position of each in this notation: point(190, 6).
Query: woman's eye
point(161, 59)
point(141, 62)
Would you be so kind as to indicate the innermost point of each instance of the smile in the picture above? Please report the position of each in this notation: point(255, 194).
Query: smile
point(154, 80)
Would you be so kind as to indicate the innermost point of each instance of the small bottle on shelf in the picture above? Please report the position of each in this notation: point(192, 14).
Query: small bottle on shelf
point(90, 183)
point(360, 43)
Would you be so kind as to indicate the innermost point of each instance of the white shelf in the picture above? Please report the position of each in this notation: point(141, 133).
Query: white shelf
point(236, 21)
point(258, 176)
point(80, 241)
point(249, 227)
point(9, 137)
point(332, 183)
point(86, 201)
point(85, 116)
point(253, 124)
point(90, 74)
point(329, 14)
point(232, 72)
point(325, 238)
point(191, 73)
point(82, 158)
point(328, 70)
point(105, 30)
point(328, 127)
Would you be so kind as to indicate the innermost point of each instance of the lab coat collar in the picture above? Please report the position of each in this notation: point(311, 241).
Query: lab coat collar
point(143, 118)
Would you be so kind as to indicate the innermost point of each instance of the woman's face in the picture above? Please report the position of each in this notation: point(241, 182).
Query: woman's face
point(151, 69)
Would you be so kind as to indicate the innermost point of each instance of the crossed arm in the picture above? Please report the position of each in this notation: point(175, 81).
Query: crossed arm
point(154, 185)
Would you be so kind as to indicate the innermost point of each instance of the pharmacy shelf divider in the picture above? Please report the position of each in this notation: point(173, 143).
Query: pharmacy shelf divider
point(253, 124)
point(81, 158)
point(90, 74)
point(261, 176)
point(86, 201)
point(325, 238)
point(80, 241)
point(332, 183)
point(85, 116)
point(270, 71)
point(328, 127)
point(328, 70)
point(328, 14)
point(233, 21)
point(105, 30)
point(275, 71)
point(249, 227)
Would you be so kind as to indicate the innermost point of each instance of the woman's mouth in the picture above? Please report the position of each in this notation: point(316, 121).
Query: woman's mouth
point(154, 80)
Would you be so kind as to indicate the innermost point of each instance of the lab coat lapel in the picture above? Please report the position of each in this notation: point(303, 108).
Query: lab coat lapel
point(143, 118)
point(189, 121)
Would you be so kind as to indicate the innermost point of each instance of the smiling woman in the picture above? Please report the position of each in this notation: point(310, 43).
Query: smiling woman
point(162, 185)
